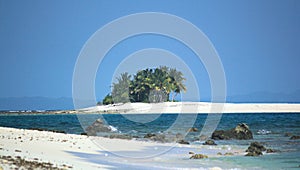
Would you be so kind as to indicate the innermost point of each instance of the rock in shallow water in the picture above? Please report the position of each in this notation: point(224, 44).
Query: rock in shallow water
point(198, 156)
point(255, 149)
point(295, 137)
point(98, 126)
point(193, 129)
point(240, 132)
point(183, 142)
point(209, 142)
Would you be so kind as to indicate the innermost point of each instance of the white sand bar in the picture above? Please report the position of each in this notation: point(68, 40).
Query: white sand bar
point(80, 152)
point(196, 107)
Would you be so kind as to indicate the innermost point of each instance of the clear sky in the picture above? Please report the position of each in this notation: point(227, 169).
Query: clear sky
point(258, 43)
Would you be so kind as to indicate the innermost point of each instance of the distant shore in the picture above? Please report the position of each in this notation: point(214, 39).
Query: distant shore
point(176, 107)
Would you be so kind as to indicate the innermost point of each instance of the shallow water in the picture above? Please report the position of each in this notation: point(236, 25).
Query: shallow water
point(269, 129)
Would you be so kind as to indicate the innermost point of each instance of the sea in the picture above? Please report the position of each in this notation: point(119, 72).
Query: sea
point(273, 130)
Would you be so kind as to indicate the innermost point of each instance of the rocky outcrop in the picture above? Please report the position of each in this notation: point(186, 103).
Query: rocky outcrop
point(97, 127)
point(182, 141)
point(255, 149)
point(156, 137)
point(295, 137)
point(240, 132)
point(165, 138)
point(209, 142)
point(193, 129)
point(198, 156)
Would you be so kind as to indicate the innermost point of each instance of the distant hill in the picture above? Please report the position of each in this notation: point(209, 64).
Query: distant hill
point(266, 97)
point(65, 103)
point(36, 103)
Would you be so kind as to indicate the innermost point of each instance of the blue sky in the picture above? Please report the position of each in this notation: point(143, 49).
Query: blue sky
point(258, 43)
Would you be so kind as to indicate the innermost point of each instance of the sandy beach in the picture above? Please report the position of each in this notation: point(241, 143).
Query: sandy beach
point(194, 107)
point(67, 151)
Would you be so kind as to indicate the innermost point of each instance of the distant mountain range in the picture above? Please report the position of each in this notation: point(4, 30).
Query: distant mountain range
point(65, 103)
point(36, 103)
point(266, 97)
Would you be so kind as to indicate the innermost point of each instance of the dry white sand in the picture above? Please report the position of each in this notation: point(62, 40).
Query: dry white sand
point(82, 152)
point(196, 107)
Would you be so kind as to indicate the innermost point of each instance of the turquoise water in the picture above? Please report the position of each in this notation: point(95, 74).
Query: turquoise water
point(268, 129)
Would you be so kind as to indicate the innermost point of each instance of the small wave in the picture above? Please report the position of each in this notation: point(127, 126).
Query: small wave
point(113, 129)
point(263, 132)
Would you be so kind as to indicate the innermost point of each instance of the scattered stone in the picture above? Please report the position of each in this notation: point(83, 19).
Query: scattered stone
point(149, 135)
point(228, 154)
point(18, 150)
point(295, 137)
point(183, 142)
point(209, 142)
point(191, 152)
point(240, 132)
point(156, 137)
point(219, 153)
point(193, 129)
point(198, 156)
point(255, 149)
point(120, 136)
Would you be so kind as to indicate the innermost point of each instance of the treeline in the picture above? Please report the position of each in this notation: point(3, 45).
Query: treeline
point(148, 85)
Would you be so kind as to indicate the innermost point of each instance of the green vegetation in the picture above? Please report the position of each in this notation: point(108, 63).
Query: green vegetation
point(108, 100)
point(148, 85)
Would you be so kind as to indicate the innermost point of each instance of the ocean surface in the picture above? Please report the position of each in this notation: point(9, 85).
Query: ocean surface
point(269, 129)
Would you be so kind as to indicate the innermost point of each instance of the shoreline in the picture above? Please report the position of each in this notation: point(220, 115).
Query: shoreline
point(175, 107)
point(170, 108)
point(68, 151)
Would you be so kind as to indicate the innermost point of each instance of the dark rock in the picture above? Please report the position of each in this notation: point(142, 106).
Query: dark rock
point(198, 156)
point(288, 134)
point(228, 154)
point(271, 150)
point(83, 133)
point(295, 137)
point(219, 153)
point(253, 154)
point(149, 135)
point(120, 136)
point(209, 142)
point(156, 137)
point(240, 132)
point(255, 149)
point(97, 127)
point(193, 129)
point(191, 152)
point(183, 142)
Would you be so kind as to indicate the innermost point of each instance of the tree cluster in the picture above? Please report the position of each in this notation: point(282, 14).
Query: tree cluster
point(148, 85)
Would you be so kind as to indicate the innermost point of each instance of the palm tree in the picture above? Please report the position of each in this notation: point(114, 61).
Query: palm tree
point(177, 82)
point(120, 92)
point(149, 85)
